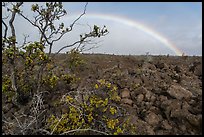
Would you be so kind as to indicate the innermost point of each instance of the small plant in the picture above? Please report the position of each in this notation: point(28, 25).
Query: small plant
point(75, 59)
point(94, 112)
point(111, 90)
point(6, 88)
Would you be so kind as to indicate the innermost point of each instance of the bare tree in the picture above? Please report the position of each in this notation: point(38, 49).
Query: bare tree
point(49, 33)
point(33, 54)
point(44, 22)
point(11, 41)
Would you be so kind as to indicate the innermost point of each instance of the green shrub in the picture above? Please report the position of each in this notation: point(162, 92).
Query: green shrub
point(94, 111)
point(74, 59)
point(6, 88)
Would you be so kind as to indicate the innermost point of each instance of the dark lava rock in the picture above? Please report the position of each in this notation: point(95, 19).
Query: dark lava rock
point(132, 72)
point(146, 80)
point(195, 120)
point(160, 65)
point(150, 130)
point(149, 66)
point(163, 98)
point(137, 81)
point(143, 128)
point(155, 110)
point(177, 69)
point(148, 95)
point(140, 98)
point(165, 124)
point(153, 98)
point(127, 101)
point(179, 92)
point(152, 119)
point(125, 93)
point(139, 90)
point(198, 70)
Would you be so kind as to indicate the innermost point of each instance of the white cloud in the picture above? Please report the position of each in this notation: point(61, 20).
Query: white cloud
point(124, 39)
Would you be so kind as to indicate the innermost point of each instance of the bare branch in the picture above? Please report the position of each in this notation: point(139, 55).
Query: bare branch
point(25, 41)
point(6, 29)
point(71, 26)
point(12, 19)
point(41, 31)
point(78, 130)
point(56, 125)
point(33, 121)
point(89, 27)
point(93, 47)
point(68, 46)
point(5, 17)
point(12, 61)
point(19, 124)
point(43, 130)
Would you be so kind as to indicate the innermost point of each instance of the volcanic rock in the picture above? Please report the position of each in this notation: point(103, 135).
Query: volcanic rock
point(153, 98)
point(125, 93)
point(140, 98)
point(154, 109)
point(194, 120)
point(162, 98)
point(166, 125)
point(139, 90)
point(148, 95)
point(152, 119)
point(198, 70)
point(177, 69)
point(179, 92)
point(149, 66)
point(127, 101)
point(146, 80)
point(150, 130)
point(137, 81)
point(160, 65)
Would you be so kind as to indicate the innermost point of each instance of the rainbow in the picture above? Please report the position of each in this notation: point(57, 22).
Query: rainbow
point(137, 25)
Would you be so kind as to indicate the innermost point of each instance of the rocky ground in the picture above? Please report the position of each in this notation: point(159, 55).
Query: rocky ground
point(162, 94)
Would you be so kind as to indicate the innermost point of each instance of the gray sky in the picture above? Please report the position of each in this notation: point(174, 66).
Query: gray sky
point(179, 23)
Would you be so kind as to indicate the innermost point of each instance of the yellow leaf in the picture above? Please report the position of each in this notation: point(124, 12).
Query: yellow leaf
point(96, 86)
point(113, 110)
point(108, 85)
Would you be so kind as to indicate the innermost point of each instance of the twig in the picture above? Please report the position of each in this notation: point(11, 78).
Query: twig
point(34, 119)
point(6, 29)
point(77, 130)
point(56, 125)
point(7, 122)
point(17, 121)
point(43, 130)
point(71, 26)
point(67, 47)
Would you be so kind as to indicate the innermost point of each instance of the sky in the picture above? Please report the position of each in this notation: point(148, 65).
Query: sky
point(135, 28)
